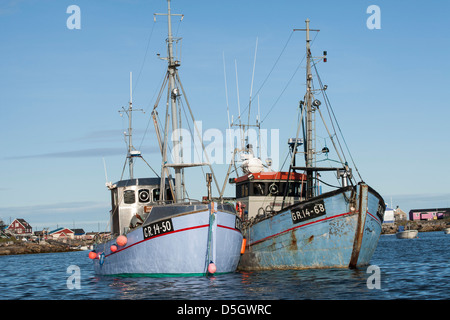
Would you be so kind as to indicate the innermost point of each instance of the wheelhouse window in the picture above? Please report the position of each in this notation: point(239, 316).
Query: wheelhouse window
point(169, 195)
point(295, 189)
point(244, 190)
point(156, 194)
point(129, 196)
point(259, 189)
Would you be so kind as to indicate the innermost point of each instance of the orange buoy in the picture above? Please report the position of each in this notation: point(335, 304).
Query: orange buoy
point(113, 248)
point(244, 242)
point(212, 268)
point(121, 240)
point(92, 255)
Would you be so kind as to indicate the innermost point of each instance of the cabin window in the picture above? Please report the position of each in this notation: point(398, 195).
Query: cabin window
point(293, 190)
point(244, 190)
point(144, 195)
point(296, 189)
point(156, 194)
point(128, 196)
point(169, 195)
point(259, 189)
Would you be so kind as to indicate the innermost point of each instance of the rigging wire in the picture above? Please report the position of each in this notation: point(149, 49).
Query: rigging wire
point(182, 106)
point(288, 83)
point(328, 104)
point(145, 55)
point(164, 79)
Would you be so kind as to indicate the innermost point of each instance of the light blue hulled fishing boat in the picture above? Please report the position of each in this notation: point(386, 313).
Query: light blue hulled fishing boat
point(288, 223)
point(155, 229)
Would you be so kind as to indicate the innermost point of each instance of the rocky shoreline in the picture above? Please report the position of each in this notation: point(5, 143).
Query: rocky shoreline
point(421, 226)
point(17, 247)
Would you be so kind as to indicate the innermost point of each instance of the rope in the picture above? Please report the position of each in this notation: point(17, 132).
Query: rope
point(145, 55)
point(210, 228)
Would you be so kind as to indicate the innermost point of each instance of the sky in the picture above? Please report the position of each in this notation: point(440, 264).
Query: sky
point(61, 90)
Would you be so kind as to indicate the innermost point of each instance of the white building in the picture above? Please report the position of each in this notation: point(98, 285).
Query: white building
point(389, 215)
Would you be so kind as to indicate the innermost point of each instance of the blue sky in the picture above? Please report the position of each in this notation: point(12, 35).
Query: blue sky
point(61, 91)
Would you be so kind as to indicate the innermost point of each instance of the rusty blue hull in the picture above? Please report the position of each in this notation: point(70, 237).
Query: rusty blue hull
point(335, 230)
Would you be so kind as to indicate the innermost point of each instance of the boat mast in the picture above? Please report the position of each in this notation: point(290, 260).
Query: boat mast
point(174, 91)
point(177, 146)
point(310, 107)
point(309, 118)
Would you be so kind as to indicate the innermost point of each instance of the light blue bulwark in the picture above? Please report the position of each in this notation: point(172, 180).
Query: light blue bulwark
point(319, 233)
point(183, 244)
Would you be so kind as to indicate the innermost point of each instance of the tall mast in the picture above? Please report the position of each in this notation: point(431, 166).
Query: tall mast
point(309, 117)
point(177, 146)
point(174, 116)
point(310, 138)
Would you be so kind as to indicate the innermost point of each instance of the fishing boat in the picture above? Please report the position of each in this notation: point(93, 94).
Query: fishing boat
point(447, 228)
point(156, 230)
point(406, 233)
point(288, 222)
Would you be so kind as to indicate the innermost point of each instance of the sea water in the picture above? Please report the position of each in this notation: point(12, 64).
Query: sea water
point(400, 269)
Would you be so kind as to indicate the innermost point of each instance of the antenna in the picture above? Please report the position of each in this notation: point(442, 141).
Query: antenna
point(106, 174)
point(132, 152)
point(239, 105)
point(259, 130)
point(226, 96)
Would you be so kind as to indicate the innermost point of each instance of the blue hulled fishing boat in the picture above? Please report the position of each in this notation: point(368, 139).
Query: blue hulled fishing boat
point(156, 230)
point(288, 223)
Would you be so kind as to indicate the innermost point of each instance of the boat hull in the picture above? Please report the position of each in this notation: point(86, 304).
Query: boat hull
point(186, 247)
point(342, 230)
point(407, 234)
point(447, 230)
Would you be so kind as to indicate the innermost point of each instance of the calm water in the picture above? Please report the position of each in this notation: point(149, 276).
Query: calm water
point(409, 269)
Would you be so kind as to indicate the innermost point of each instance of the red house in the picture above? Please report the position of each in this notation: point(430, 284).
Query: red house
point(20, 227)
